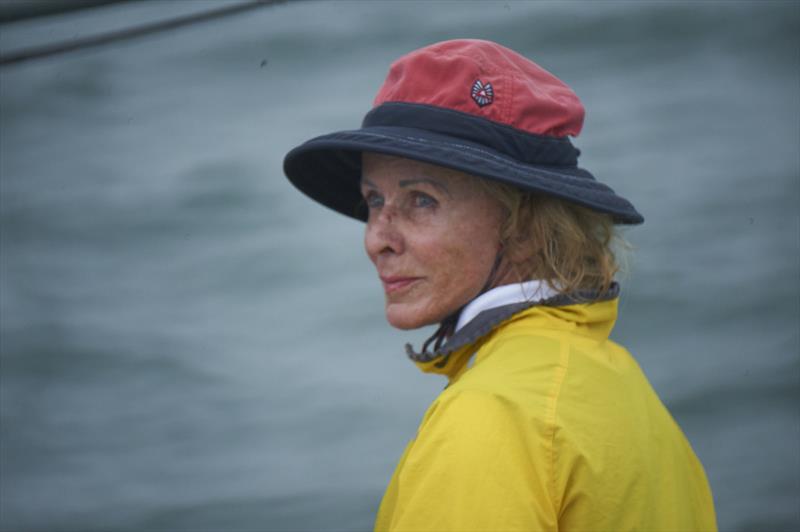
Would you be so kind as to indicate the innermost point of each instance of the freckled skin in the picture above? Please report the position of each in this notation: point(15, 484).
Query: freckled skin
point(432, 225)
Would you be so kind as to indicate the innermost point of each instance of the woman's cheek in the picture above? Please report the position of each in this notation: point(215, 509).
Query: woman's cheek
point(424, 217)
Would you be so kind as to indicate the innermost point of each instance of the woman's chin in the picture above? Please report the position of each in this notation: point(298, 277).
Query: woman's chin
point(406, 317)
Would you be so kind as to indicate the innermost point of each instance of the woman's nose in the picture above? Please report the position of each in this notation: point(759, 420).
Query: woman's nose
point(383, 236)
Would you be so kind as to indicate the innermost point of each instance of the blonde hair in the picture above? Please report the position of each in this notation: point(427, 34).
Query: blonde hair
point(568, 246)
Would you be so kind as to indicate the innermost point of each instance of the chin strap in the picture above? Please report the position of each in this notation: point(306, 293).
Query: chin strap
point(448, 325)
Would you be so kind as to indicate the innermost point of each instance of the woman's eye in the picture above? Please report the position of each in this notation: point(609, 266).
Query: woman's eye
point(373, 200)
point(423, 200)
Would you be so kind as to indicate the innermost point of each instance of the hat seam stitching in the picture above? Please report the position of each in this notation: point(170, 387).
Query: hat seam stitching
point(553, 139)
point(510, 97)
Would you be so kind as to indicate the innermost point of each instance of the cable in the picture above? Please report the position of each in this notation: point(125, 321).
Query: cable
point(11, 12)
point(48, 50)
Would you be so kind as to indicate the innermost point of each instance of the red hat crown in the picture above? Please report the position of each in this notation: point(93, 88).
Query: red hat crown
point(484, 79)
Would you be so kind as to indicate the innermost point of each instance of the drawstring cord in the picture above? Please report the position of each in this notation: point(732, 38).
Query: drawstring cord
point(447, 327)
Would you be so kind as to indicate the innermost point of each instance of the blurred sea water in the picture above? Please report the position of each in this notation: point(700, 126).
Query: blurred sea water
point(188, 343)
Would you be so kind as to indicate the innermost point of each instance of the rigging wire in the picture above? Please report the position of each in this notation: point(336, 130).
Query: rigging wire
point(16, 11)
point(48, 50)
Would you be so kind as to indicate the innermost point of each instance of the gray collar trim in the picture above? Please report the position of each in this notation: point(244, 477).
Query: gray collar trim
point(489, 319)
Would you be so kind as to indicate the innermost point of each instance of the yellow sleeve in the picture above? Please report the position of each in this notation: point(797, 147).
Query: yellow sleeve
point(476, 464)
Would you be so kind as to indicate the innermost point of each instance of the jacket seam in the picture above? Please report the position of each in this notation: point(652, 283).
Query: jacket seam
point(555, 395)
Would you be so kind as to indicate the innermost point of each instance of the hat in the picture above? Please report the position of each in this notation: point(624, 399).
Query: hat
point(469, 105)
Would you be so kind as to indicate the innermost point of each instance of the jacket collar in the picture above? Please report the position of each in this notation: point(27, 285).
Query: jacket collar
point(500, 296)
point(453, 355)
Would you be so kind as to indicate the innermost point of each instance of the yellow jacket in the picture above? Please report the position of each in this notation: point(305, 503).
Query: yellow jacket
point(553, 427)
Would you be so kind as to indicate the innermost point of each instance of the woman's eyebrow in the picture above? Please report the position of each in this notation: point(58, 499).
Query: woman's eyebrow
point(365, 181)
point(437, 184)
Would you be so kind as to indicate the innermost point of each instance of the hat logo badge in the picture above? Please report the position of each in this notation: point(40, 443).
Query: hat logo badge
point(482, 94)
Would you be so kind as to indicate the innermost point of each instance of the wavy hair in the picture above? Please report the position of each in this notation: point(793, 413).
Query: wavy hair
point(570, 247)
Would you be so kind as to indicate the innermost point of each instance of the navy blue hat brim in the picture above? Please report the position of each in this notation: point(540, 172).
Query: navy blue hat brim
point(328, 169)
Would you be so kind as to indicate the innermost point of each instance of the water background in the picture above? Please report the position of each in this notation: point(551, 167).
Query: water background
point(188, 343)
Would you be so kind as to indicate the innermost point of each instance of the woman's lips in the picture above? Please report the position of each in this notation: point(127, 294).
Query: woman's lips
point(395, 284)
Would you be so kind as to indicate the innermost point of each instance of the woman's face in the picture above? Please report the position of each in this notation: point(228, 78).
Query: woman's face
point(433, 235)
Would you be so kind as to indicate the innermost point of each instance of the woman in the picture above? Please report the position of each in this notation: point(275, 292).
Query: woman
point(479, 220)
